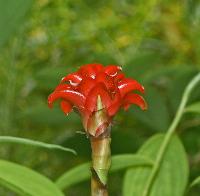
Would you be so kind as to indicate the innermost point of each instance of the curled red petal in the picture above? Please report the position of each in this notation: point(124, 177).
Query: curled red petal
point(101, 77)
point(75, 98)
point(112, 110)
point(107, 80)
point(91, 100)
point(63, 87)
point(116, 103)
point(134, 99)
point(97, 67)
point(73, 78)
point(86, 85)
point(119, 77)
point(65, 106)
point(87, 71)
point(112, 70)
point(127, 85)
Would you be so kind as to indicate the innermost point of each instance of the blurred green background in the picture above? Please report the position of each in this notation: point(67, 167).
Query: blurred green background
point(156, 42)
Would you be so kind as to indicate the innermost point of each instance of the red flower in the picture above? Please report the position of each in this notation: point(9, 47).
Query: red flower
point(97, 92)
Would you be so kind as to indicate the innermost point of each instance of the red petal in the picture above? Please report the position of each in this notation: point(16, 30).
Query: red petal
point(97, 67)
point(116, 103)
point(88, 71)
point(112, 70)
point(134, 99)
point(119, 77)
point(63, 87)
point(107, 80)
point(65, 106)
point(75, 98)
point(73, 78)
point(127, 85)
point(91, 100)
point(86, 85)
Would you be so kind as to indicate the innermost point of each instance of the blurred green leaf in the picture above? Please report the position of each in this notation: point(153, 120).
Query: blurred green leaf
point(160, 84)
point(195, 182)
point(11, 15)
point(52, 76)
point(42, 115)
point(172, 177)
point(157, 116)
point(25, 181)
point(119, 162)
point(193, 108)
point(18, 140)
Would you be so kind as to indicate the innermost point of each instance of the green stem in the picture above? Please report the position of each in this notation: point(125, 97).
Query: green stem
point(169, 134)
point(101, 161)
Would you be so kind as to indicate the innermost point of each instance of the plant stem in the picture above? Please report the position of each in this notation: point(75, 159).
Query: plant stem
point(169, 134)
point(101, 161)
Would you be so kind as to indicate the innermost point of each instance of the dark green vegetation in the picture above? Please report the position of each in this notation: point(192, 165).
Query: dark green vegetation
point(156, 42)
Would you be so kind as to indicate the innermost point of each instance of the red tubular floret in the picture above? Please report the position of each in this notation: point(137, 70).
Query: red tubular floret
point(74, 78)
point(91, 100)
point(116, 103)
point(112, 70)
point(134, 99)
point(106, 80)
point(63, 86)
point(119, 77)
point(87, 72)
point(66, 106)
point(127, 85)
point(75, 98)
point(86, 85)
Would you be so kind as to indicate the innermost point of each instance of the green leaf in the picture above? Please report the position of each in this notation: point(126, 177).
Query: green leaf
point(25, 181)
point(195, 182)
point(193, 108)
point(119, 162)
point(172, 177)
point(11, 15)
point(18, 140)
point(42, 115)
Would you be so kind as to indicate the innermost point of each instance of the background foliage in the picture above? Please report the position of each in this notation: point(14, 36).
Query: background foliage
point(156, 42)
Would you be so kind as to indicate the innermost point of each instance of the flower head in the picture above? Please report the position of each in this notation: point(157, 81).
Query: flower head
point(97, 92)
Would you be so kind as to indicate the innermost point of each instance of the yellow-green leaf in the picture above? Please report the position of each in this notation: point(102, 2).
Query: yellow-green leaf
point(193, 108)
point(173, 174)
point(25, 181)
